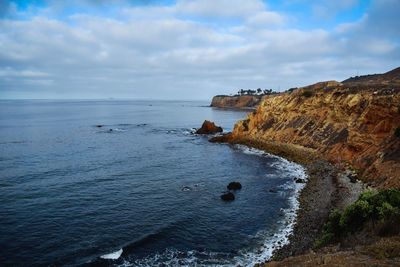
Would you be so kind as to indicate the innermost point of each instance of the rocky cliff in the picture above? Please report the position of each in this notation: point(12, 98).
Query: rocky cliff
point(348, 123)
point(245, 101)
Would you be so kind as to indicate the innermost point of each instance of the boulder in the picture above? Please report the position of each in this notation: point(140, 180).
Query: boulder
point(234, 186)
point(299, 180)
point(209, 127)
point(353, 177)
point(228, 196)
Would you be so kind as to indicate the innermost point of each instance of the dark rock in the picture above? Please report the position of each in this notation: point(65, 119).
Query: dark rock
point(228, 196)
point(99, 126)
point(110, 130)
point(299, 180)
point(234, 186)
point(273, 191)
point(209, 127)
point(186, 188)
point(224, 138)
point(353, 178)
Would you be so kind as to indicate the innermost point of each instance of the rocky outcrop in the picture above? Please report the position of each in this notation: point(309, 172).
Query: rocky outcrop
point(228, 196)
point(346, 124)
point(234, 186)
point(245, 101)
point(209, 127)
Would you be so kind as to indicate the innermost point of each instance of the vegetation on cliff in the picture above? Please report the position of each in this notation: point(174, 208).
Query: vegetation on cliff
point(242, 99)
point(379, 209)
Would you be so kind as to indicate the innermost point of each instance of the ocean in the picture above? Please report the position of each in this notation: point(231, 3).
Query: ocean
point(142, 190)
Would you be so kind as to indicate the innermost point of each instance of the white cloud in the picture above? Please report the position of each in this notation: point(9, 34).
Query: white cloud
point(220, 8)
point(178, 52)
point(266, 18)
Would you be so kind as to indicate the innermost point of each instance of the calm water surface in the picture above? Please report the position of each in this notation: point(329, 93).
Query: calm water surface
point(147, 191)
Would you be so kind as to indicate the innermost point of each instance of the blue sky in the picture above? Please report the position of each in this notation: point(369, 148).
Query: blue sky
point(189, 49)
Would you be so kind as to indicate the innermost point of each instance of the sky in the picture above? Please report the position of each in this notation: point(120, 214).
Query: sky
point(189, 49)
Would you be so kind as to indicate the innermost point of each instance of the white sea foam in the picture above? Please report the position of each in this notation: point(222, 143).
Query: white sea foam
point(281, 236)
point(113, 255)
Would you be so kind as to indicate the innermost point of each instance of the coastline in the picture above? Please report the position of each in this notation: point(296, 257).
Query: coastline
point(320, 194)
point(249, 109)
point(288, 220)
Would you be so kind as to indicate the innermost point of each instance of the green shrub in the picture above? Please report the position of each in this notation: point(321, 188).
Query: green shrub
point(332, 229)
point(382, 208)
point(307, 93)
point(355, 215)
point(397, 132)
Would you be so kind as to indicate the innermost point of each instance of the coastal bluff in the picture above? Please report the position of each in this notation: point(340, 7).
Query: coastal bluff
point(354, 124)
point(240, 102)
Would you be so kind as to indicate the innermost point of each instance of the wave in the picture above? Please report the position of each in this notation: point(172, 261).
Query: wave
point(174, 131)
point(174, 257)
point(113, 255)
point(13, 142)
point(281, 236)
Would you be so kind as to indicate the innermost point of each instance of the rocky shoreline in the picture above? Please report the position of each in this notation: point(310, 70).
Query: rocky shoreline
point(339, 132)
point(327, 188)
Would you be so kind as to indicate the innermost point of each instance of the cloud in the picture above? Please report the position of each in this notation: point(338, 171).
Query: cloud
point(190, 49)
point(220, 8)
point(266, 18)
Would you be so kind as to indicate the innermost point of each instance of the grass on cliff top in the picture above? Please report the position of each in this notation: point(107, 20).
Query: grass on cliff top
point(386, 248)
point(382, 209)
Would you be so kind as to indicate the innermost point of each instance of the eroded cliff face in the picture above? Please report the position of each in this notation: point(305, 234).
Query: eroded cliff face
point(344, 125)
point(245, 101)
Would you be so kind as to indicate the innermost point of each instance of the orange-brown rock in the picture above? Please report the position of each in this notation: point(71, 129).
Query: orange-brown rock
point(245, 101)
point(344, 124)
point(209, 127)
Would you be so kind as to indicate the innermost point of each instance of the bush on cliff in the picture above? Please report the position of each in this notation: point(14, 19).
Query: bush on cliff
point(397, 132)
point(307, 93)
point(381, 208)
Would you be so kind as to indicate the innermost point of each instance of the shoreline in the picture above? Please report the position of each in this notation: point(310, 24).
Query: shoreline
point(235, 108)
point(326, 188)
point(288, 221)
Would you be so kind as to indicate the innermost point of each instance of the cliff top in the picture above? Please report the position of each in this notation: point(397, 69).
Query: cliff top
point(390, 79)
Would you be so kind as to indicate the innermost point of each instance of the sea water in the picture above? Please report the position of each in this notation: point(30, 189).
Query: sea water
point(141, 190)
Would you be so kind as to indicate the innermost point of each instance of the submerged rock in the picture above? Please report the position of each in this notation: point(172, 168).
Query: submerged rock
point(209, 127)
point(228, 196)
point(186, 188)
point(99, 126)
point(234, 186)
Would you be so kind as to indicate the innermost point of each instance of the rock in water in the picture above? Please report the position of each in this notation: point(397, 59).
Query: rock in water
point(299, 180)
point(209, 127)
point(228, 196)
point(234, 186)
